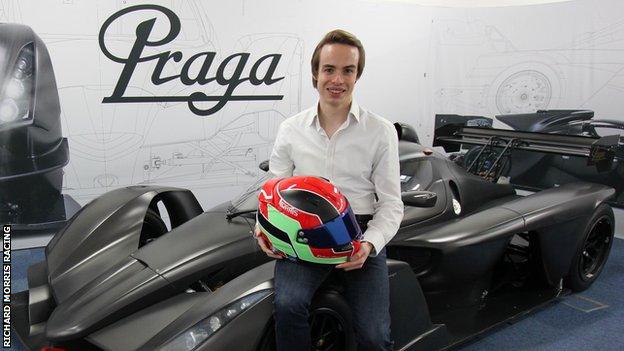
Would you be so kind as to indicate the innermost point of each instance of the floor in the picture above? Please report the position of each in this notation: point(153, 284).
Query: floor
point(592, 320)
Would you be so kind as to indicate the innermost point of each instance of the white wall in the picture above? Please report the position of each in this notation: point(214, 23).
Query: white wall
point(421, 60)
point(478, 3)
point(113, 145)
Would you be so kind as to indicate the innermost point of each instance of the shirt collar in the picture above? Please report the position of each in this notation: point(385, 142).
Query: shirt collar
point(354, 111)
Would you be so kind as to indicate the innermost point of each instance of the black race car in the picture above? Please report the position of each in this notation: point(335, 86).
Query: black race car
point(470, 254)
point(538, 170)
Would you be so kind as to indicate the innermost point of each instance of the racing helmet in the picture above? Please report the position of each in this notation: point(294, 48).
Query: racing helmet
point(306, 218)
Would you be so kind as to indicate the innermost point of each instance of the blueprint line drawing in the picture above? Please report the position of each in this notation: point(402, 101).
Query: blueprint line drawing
point(502, 79)
point(114, 145)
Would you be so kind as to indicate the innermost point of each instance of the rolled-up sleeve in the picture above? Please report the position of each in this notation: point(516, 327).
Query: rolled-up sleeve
point(280, 163)
point(386, 178)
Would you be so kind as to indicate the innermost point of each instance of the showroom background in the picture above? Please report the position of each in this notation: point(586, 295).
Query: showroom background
point(421, 60)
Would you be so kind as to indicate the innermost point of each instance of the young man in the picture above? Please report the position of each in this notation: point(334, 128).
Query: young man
point(358, 151)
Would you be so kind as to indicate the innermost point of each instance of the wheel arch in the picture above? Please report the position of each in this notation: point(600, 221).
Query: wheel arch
point(557, 244)
point(114, 220)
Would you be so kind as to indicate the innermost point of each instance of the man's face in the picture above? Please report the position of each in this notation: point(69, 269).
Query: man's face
point(337, 73)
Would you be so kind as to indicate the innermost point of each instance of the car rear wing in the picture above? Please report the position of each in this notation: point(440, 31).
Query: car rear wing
point(598, 151)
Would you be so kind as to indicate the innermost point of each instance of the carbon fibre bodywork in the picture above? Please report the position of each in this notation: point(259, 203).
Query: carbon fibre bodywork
point(540, 171)
point(101, 288)
point(537, 170)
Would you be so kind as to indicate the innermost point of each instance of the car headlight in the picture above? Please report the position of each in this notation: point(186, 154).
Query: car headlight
point(15, 100)
point(197, 334)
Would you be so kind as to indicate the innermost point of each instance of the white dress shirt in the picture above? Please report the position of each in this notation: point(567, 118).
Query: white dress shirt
point(361, 159)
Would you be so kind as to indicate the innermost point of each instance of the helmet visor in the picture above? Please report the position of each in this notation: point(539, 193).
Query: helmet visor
point(336, 233)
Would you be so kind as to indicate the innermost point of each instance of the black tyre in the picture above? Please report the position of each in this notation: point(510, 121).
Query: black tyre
point(330, 326)
point(153, 227)
point(592, 254)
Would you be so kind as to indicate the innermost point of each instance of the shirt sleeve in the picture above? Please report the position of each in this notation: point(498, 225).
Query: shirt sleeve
point(386, 179)
point(281, 164)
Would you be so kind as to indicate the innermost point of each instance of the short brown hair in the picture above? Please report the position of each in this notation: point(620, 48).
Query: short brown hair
point(337, 36)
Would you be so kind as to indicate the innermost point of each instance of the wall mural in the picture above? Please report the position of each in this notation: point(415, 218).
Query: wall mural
point(115, 144)
point(191, 93)
point(501, 78)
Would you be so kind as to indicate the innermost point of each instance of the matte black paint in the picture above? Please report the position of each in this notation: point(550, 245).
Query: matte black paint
point(536, 171)
point(540, 171)
point(104, 232)
point(32, 150)
point(106, 289)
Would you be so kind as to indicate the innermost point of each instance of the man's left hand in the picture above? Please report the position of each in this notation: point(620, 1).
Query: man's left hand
point(357, 260)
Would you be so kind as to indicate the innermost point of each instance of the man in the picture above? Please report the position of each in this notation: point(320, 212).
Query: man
point(358, 151)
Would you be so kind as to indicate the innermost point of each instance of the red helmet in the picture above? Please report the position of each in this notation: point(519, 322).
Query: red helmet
point(307, 218)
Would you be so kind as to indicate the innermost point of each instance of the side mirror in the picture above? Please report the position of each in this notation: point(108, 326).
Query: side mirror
point(419, 198)
point(264, 165)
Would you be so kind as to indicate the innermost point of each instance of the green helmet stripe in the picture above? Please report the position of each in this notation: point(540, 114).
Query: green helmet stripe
point(291, 227)
point(279, 244)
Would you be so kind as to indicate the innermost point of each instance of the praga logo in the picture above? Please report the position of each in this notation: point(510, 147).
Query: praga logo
point(261, 72)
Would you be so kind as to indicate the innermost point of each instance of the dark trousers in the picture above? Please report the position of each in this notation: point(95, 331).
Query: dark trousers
point(366, 291)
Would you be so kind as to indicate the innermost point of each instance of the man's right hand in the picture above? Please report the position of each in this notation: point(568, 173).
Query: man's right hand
point(261, 239)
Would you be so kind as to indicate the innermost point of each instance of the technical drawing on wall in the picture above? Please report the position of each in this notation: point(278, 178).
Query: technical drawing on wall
point(500, 78)
point(114, 145)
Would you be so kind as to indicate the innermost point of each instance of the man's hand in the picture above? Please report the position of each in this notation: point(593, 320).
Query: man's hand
point(263, 244)
point(357, 260)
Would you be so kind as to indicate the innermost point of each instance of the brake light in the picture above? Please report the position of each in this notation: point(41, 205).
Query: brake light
point(52, 348)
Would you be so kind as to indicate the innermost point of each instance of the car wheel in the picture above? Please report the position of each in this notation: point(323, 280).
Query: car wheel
point(153, 227)
point(331, 327)
point(592, 254)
